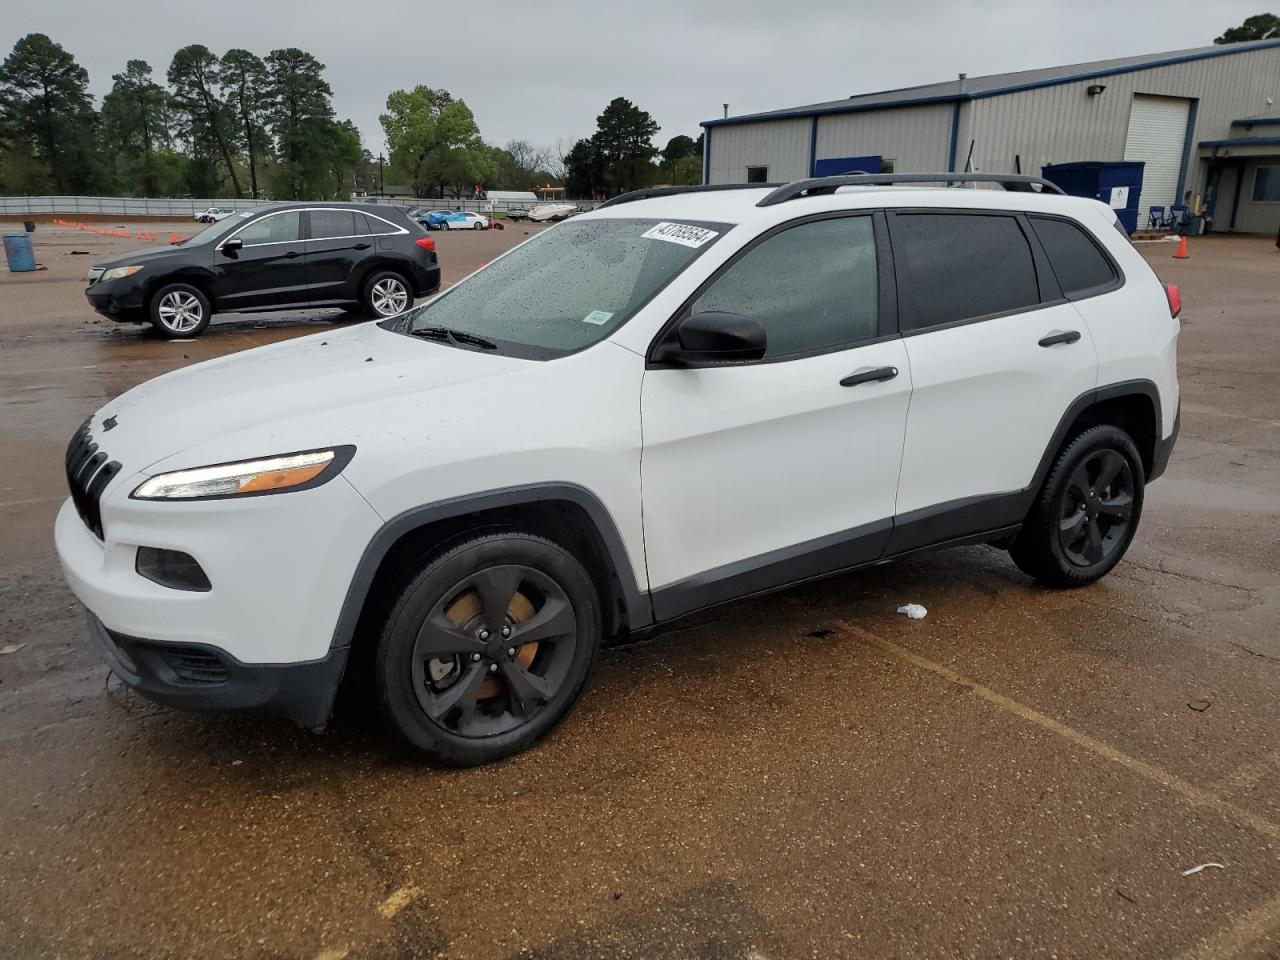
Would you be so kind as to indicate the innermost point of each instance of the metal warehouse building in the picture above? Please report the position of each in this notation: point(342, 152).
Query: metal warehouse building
point(1203, 121)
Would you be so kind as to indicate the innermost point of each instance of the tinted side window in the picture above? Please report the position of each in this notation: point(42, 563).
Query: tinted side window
point(278, 228)
point(958, 266)
point(813, 287)
point(332, 223)
point(1076, 259)
point(380, 227)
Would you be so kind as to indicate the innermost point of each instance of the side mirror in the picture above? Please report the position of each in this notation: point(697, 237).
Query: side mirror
point(231, 247)
point(713, 337)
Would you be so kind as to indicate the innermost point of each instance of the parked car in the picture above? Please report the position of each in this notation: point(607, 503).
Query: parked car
point(434, 219)
point(462, 220)
point(670, 402)
point(280, 257)
point(213, 214)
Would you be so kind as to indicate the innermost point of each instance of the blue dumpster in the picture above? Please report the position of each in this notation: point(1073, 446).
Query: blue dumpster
point(18, 251)
point(1099, 179)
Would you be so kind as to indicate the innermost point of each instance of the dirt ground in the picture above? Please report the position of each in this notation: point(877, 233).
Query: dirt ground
point(1025, 773)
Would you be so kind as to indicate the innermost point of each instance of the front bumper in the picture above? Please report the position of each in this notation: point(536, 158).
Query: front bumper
point(122, 300)
point(196, 677)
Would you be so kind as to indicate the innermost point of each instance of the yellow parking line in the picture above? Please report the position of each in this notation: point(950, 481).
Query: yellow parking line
point(339, 954)
point(398, 901)
point(1188, 791)
point(1233, 939)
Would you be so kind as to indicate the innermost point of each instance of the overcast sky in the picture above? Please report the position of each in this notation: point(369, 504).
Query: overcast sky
point(543, 71)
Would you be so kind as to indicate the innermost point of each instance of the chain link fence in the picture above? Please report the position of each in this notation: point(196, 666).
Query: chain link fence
point(189, 207)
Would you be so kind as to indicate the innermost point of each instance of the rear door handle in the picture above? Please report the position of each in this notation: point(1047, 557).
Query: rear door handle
point(362, 246)
point(870, 375)
point(292, 254)
point(1060, 336)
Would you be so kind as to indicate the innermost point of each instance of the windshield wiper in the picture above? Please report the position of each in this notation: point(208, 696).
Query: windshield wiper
point(454, 337)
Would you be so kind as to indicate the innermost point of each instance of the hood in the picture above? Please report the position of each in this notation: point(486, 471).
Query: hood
point(145, 255)
point(301, 385)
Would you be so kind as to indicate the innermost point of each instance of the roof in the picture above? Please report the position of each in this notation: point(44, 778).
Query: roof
point(975, 88)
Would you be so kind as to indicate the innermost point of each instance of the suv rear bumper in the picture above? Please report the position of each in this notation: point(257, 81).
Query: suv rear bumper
point(1164, 447)
point(197, 677)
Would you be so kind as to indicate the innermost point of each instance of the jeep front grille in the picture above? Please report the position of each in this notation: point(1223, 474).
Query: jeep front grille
point(88, 473)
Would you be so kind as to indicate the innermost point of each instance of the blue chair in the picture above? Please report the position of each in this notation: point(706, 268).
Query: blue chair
point(1177, 216)
point(1155, 218)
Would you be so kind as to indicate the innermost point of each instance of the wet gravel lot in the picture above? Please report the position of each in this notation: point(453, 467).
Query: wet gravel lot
point(807, 774)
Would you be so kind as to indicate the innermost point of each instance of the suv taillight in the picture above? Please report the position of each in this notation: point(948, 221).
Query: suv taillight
point(426, 243)
point(1174, 296)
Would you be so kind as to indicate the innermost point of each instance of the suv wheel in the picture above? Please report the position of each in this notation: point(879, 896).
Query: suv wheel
point(487, 648)
point(1087, 512)
point(386, 294)
point(180, 310)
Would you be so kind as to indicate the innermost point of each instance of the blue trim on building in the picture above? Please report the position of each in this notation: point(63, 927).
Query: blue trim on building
point(1242, 142)
point(955, 133)
point(813, 148)
point(706, 157)
point(1187, 144)
point(1256, 122)
point(1226, 50)
point(1235, 200)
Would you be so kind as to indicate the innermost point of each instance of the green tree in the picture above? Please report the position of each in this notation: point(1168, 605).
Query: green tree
point(135, 125)
point(301, 117)
point(345, 158)
point(682, 160)
point(624, 141)
point(584, 170)
point(205, 122)
point(47, 119)
point(434, 141)
point(1261, 26)
point(243, 78)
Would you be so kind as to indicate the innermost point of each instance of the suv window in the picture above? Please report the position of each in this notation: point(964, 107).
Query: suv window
point(813, 287)
point(277, 228)
point(1076, 259)
point(332, 223)
point(959, 266)
point(379, 227)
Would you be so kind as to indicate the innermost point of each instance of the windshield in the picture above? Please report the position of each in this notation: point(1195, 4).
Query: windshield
point(567, 288)
point(214, 231)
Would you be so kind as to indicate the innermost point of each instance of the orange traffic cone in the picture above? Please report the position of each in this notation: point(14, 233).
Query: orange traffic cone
point(1182, 249)
point(173, 238)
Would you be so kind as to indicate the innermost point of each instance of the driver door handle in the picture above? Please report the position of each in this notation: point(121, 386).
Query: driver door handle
point(869, 375)
point(1060, 336)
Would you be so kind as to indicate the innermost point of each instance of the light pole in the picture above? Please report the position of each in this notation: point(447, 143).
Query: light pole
point(382, 184)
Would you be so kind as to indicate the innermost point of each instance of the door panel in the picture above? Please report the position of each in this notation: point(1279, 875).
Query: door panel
point(269, 270)
point(987, 399)
point(337, 243)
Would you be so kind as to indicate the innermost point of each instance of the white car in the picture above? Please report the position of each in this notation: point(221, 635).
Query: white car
point(676, 400)
point(213, 214)
point(466, 221)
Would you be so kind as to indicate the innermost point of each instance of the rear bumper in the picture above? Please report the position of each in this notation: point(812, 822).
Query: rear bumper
point(426, 279)
point(198, 677)
point(1164, 448)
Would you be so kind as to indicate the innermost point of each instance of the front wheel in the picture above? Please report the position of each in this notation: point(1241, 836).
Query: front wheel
point(180, 310)
point(487, 648)
point(1087, 513)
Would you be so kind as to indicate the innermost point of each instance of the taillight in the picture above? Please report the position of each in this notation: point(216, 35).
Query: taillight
point(426, 243)
point(1174, 296)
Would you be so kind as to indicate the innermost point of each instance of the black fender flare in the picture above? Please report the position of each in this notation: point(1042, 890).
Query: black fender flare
point(639, 608)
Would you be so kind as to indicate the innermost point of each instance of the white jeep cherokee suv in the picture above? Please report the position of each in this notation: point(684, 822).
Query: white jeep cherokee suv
point(684, 397)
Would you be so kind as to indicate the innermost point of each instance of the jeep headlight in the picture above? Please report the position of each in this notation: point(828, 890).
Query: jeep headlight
point(278, 474)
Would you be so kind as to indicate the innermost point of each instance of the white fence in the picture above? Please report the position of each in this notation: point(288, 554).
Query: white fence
point(144, 207)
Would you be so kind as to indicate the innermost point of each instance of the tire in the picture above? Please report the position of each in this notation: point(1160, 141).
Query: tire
point(180, 310)
point(386, 294)
point(474, 701)
point(1087, 512)
point(477, 226)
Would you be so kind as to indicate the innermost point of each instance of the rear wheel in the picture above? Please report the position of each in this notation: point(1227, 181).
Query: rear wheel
point(477, 225)
point(1087, 513)
point(386, 294)
point(180, 310)
point(487, 648)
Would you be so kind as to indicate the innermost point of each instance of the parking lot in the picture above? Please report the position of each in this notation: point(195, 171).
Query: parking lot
point(1024, 773)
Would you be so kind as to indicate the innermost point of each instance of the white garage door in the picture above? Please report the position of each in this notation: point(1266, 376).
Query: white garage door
point(1157, 134)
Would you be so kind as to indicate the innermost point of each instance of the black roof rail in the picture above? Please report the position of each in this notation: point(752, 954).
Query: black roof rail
point(822, 185)
point(649, 192)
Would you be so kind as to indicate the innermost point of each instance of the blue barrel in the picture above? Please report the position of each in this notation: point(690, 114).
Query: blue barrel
point(19, 253)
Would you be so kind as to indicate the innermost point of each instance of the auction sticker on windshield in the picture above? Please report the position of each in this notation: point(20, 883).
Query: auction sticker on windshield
point(684, 234)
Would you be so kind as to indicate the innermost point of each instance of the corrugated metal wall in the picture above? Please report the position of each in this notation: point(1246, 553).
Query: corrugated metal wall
point(1255, 217)
point(1063, 123)
point(780, 145)
point(915, 138)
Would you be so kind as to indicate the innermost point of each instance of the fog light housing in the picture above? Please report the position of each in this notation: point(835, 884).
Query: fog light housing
point(172, 568)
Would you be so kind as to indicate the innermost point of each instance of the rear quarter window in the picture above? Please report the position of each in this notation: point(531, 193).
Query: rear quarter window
point(1080, 266)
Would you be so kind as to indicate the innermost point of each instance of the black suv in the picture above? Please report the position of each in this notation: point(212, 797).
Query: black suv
point(287, 256)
